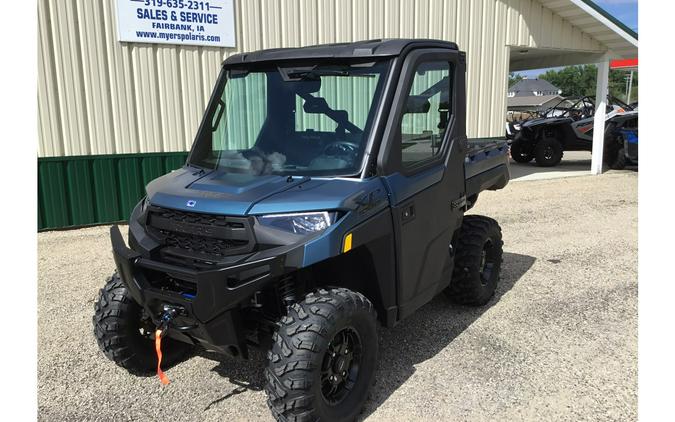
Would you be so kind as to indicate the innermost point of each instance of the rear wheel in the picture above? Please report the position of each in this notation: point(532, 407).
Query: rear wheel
point(520, 153)
point(125, 336)
point(323, 358)
point(477, 261)
point(548, 152)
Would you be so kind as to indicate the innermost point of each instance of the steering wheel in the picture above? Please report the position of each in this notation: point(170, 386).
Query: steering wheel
point(341, 148)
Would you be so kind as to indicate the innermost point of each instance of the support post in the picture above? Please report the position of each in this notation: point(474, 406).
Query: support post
point(630, 87)
point(601, 92)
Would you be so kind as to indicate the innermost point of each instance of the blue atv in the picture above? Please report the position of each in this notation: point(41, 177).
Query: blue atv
point(324, 194)
point(621, 141)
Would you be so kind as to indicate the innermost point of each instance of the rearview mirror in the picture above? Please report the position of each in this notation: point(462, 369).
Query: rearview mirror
point(417, 104)
point(316, 105)
point(307, 86)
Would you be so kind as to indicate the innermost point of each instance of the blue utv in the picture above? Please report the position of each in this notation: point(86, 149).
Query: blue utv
point(324, 194)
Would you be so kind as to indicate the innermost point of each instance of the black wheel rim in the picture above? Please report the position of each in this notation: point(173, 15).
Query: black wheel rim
point(341, 364)
point(548, 153)
point(487, 261)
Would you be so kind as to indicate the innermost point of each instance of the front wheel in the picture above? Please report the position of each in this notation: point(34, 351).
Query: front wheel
point(614, 153)
point(125, 336)
point(520, 153)
point(323, 358)
point(478, 261)
point(619, 161)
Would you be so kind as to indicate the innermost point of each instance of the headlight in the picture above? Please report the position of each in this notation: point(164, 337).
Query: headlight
point(299, 223)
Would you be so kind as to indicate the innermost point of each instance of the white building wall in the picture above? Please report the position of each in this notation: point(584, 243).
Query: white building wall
point(97, 95)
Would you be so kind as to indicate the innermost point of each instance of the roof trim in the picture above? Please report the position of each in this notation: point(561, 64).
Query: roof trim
point(379, 48)
point(608, 19)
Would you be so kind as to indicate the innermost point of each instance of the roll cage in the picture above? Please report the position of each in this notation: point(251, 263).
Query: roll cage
point(582, 107)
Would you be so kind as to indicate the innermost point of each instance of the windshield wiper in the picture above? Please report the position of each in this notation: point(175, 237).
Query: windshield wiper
point(198, 169)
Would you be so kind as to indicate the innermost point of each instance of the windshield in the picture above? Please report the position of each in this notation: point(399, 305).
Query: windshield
point(298, 120)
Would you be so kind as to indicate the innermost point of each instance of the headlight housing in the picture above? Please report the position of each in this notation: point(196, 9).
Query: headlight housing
point(299, 222)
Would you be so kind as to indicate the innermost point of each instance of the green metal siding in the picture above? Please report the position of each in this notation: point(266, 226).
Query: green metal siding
point(84, 190)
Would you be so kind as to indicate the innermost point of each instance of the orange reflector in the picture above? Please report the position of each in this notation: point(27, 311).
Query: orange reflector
point(347, 246)
point(158, 349)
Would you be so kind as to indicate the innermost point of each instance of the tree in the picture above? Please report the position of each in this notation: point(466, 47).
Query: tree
point(514, 78)
point(578, 81)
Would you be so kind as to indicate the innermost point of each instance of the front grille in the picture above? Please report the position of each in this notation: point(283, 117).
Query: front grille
point(196, 218)
point(204, 245)
point(190, 236)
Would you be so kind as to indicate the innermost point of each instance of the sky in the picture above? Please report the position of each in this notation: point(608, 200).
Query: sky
point(624, 10)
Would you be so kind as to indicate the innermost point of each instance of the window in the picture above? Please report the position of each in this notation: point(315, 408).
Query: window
point(351, 94)
point(239, 130)
point(426, 113)
point(296, 120)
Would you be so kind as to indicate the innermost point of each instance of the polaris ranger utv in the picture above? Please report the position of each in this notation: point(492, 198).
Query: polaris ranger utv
point(325, 193)
point(567, 128)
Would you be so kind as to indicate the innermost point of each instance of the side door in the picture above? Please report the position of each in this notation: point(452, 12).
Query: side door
point(422, 160)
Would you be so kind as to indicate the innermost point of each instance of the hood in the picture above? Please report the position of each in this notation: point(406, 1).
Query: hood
point(544, 120)
point(218, 192)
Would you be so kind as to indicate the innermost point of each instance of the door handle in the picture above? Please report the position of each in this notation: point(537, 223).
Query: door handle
point(408, 213)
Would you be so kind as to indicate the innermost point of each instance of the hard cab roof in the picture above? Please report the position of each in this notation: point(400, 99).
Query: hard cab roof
point(359, 49)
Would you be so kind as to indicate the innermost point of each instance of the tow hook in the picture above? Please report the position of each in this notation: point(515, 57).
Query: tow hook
point(168, 315)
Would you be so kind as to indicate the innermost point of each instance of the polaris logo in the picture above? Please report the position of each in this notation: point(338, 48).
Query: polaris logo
point(191, 203)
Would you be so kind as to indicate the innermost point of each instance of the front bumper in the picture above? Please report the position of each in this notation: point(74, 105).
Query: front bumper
point(209, 311)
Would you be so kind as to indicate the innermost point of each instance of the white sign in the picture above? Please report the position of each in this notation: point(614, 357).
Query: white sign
point(184, 22)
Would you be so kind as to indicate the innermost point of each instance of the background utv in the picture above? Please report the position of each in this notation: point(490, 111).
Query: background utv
point(568, 126)
point(325, 193)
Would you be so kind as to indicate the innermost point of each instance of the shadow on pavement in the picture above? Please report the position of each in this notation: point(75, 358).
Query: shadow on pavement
point(429, 330)
point(246, 375)
point(574, 163)
point(414, 340)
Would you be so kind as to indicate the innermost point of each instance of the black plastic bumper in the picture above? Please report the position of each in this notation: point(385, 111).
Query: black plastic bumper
point(210, 315)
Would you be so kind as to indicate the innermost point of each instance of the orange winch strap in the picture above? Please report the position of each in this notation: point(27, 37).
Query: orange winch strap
point(158, 349)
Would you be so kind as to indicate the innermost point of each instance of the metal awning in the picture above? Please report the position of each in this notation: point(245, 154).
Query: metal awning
point(596, 22)
point(614, 39)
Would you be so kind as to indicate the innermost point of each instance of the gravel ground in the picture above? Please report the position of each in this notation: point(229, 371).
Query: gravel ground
point(558, 341)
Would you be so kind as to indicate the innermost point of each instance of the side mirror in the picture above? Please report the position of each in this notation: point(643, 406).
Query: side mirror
point(416, 104)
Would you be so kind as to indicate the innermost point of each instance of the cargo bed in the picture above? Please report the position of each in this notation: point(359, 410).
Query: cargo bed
point(486, 165)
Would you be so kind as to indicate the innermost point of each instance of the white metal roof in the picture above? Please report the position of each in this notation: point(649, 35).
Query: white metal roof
point(528, 86)
point(532, 100)
point(590, 18)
